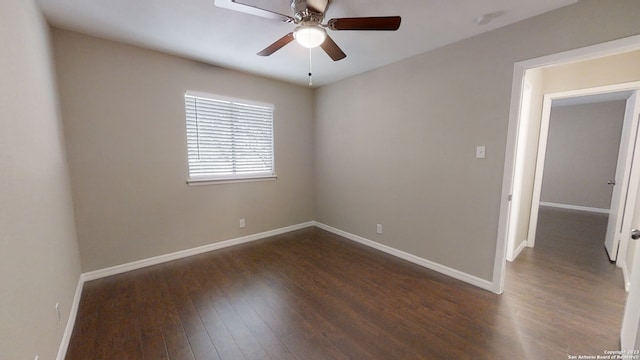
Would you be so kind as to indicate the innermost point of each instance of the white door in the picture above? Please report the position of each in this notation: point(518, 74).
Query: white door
point(518, 172)
point(629, 257)
point(631, 320)
point(623, 173)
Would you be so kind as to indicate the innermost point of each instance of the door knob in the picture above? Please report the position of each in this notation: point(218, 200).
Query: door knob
point(611, 182)
point(635, 234)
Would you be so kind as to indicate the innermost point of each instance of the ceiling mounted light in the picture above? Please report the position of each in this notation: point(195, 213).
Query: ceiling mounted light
point(310, 36)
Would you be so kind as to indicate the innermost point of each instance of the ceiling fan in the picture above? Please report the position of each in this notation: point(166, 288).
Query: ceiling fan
point(310, 32)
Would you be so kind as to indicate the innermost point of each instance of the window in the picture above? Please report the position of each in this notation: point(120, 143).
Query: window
point(228, 139)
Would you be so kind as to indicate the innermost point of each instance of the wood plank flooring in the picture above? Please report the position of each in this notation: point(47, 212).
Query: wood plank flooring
point(310, 294)
point(567, 285)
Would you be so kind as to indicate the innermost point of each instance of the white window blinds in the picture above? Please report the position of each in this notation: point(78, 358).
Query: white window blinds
point(228, 139)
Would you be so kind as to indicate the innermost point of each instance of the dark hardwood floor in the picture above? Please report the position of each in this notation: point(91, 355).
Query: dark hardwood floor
point(310, 294)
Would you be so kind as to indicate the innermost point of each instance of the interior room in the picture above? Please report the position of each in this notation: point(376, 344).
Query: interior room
point(391, 168)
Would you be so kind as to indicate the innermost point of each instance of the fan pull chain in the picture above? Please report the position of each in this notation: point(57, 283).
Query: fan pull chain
point(310, 73)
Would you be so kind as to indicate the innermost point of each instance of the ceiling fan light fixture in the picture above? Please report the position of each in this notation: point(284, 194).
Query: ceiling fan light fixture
point(310, 36)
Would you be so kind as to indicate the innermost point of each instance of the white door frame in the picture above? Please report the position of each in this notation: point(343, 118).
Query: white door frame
point(609, 48)
point(624, 157)
point(630, 336)
point(518, 173)
point(628, 203)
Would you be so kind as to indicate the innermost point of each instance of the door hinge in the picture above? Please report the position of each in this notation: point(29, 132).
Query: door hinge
point(510, 197)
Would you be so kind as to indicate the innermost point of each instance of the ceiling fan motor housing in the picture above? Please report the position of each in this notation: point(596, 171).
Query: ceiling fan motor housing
point(305, 14)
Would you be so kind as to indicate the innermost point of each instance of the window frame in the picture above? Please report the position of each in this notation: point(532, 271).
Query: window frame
point(209, 179)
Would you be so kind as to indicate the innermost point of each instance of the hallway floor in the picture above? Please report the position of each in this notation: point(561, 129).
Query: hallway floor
point(567, 285)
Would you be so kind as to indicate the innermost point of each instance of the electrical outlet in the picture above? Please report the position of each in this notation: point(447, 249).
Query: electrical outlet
point(379, 228)
point(58, 312)
point(242, 224)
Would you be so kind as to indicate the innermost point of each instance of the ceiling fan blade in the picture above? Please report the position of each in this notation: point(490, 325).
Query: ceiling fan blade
point(332, 49)
point(382, 23)
point(277, 45)
point(253, 10)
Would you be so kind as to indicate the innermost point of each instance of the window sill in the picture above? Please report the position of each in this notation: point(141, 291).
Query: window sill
point(201, 182)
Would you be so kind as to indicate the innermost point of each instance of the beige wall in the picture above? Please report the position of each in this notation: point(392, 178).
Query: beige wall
point(582, 153)
point(123, 111)
point(616, 69)
point(396, 145)
point(393, 146)
point(39, 260)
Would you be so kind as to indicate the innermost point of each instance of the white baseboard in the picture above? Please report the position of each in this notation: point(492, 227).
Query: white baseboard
point(118, 269)
point(71, 321)
point(575, 207)
point(456, 274)
point(517, 251)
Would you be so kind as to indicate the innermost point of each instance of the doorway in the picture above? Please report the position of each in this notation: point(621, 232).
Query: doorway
point(596, 132)
point(582, 152)
point(517, 138)
point(612, 49)
point(571, 228)
point(614, 239)
point(582, 148)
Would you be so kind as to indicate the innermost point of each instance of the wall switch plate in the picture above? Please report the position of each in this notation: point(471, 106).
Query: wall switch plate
point(379, 229)
point(481, 152)
point(242, 224)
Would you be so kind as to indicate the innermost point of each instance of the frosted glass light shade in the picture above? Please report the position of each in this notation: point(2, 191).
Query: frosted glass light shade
point(310, 36)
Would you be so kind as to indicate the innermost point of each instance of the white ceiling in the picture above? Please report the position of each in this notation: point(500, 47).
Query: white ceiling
point(199, 30)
